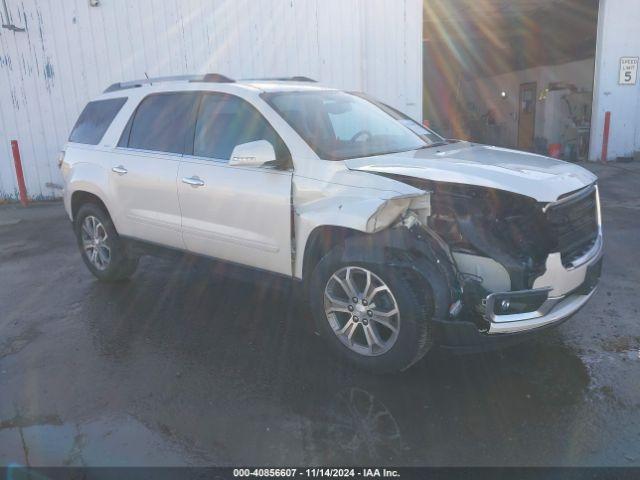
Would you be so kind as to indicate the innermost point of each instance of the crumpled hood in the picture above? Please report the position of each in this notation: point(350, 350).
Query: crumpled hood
point(536, 176)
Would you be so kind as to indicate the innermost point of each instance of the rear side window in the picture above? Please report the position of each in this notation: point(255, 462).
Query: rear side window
point(225, 121)
point(162, 122)
point(95, 120)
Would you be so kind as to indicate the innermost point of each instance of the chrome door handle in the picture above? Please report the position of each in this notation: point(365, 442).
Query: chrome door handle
point(120, 170)
point(193, 181)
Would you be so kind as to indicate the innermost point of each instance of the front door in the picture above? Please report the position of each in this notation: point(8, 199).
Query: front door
point(234, 213)
point(527, 116)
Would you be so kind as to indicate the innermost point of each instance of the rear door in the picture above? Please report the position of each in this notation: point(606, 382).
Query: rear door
point(144, 167)
point(235, 213)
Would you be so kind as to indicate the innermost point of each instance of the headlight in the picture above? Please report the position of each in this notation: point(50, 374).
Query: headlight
point(393, 208)
point(386, 214)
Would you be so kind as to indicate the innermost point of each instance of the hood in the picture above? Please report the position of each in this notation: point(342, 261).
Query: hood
point(542, 178)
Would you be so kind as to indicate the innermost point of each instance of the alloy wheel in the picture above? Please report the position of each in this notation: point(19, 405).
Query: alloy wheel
point(94, 242)
point(362, 311)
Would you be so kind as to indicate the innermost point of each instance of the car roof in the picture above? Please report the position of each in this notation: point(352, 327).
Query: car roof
point(282, 85)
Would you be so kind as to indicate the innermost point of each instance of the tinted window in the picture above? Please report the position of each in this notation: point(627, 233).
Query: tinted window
point(162, 121)
point(225, 121)
point(95, 120)
point(337, 125)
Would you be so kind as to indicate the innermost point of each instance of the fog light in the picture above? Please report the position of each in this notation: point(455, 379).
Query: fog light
point(517, 302)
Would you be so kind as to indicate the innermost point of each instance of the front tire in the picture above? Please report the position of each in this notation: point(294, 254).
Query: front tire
point(102, 249)
point(376, 317)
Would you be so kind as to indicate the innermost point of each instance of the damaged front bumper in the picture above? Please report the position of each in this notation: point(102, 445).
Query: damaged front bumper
point(570, 288)
point(511, 317)
point(554, 310)
point(474, 308)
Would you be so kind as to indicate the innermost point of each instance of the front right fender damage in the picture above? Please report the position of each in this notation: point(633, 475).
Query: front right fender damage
point(392, 229)
point(421, 255)
point(416, 253)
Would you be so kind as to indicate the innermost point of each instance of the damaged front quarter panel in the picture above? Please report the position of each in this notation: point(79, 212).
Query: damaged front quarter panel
point(390, 225)
point(353, 200)
point(415, 251)
point(509, 228)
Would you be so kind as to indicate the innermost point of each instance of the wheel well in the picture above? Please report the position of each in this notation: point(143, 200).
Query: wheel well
point(320, 241)
point(79, 198)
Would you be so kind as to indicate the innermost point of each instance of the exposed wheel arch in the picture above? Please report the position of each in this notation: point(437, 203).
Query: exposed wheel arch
point(419, 258)
point(319, 242)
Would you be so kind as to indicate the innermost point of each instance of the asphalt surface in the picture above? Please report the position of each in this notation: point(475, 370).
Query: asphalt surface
point(184, 366)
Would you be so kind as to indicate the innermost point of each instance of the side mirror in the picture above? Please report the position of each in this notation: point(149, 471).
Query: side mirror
point(253, 154)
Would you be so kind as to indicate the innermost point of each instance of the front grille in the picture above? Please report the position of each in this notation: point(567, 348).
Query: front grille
point(574, 223)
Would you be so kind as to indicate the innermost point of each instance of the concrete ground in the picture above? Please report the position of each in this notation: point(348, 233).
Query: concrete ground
point(184, 366)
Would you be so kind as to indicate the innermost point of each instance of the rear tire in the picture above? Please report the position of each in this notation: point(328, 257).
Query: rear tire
point(103, 251)
point(404, 338)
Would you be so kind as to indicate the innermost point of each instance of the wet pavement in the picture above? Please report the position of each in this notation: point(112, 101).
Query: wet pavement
point(183, 366)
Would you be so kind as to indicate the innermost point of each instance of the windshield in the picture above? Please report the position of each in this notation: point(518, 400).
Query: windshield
point(426, 134)
point(339, 125)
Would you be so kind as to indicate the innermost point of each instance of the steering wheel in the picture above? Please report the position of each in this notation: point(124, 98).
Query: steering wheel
point(360, 134)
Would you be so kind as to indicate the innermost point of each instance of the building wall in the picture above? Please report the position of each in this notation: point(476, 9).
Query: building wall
point(483, 94)
point(70, 52)
point(618, 36)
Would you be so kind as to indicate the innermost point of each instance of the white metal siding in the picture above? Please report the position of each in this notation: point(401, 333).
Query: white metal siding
point(71, 51)
point(618, 36)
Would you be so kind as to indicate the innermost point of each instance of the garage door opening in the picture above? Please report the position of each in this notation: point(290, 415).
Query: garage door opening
point(512, 73)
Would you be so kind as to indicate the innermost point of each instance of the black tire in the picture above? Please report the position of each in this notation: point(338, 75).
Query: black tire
point(120, 265)
point(415, 304)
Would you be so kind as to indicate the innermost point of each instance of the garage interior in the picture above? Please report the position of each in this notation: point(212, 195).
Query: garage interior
point(511, 73)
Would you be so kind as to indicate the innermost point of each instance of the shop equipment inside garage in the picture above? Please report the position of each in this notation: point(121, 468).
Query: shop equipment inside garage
point(512, 73)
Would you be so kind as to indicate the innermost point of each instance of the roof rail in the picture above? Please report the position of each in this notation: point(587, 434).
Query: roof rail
point(208, 77)
point(214, 78)
point(295, 78)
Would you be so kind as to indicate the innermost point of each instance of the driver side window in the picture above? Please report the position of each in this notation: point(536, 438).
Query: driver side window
point(225, 121)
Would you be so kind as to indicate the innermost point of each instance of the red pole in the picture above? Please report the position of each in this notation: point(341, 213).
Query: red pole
point(19, 174)
point(605, 137)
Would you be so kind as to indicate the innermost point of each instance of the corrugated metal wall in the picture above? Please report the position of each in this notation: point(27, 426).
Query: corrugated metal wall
point(70, 51)
point(618, 36)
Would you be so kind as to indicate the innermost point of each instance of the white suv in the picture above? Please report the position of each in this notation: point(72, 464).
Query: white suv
point(400, 239)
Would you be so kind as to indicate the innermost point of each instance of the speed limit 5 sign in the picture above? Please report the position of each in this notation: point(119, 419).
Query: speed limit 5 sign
point(628, 70)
